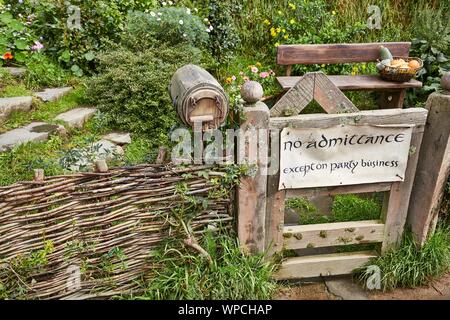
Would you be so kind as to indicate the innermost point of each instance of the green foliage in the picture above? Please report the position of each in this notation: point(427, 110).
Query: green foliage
point(170, 25)
point(132, 89)
point(16, 275)
point(345, 208)
point(230, 274)
point(410, 266)
point(16, 90)
point(42, 72)
point(15, 36)
point(74, 32)
point(224, 38)
point(431, 43)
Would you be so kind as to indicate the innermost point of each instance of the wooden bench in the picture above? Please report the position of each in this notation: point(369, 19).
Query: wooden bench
point(392, 93)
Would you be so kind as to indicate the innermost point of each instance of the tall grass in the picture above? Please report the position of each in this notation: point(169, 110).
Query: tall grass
point(409, 266)
point(230, 274)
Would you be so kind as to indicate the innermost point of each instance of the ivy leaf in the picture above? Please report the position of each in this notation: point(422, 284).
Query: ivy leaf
point(77, 70)
point(89, 56)
point(6, 17)
point(203, 174)
point(15, 25)
point(65, 56)
point(20, 56)
point(21, 44)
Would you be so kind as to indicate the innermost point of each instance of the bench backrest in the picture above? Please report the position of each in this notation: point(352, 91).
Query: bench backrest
point(337, 53)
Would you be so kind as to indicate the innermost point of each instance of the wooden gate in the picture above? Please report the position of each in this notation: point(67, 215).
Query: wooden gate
point(387, 231)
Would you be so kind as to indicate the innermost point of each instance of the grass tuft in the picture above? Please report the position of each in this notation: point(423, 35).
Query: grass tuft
point(409, 266)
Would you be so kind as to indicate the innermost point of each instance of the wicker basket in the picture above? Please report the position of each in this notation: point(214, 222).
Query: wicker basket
point(398, 74)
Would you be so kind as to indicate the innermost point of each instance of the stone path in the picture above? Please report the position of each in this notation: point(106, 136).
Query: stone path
point(16, 72)
point(119, 138)
point(77, 117)
point(35, 131)
point(52, 94)
point(8, 105)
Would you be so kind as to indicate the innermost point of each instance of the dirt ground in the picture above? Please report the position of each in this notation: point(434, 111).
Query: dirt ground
point(345, 289)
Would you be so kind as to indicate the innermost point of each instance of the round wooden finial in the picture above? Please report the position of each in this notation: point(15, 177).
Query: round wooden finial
point(252, 92)
point(445, 82)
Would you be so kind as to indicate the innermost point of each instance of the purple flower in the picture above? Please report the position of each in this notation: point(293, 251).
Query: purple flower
point(37, 46)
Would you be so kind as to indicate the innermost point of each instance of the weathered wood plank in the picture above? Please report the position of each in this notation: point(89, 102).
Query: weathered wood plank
point(395, 210)
point(337, 53)
point(330, 98)
point(252, 189)
point(411, 116)
point(392, 99)
point(332, 234)
point(356, 83)
point(297, 98)
point(433, 168)
point(331, 191)
point(323, 265)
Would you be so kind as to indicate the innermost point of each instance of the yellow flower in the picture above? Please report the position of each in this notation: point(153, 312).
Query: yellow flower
point(278, 30)
point(333, 12)
point(292, 21)
point(229, 80)
point(292, 6)
point(258, 64)
point(277, 44)
point(267, 22)
point(286, 36)
point(322, 65)
point(273, 32)
point(280, 13)
point(283, 30)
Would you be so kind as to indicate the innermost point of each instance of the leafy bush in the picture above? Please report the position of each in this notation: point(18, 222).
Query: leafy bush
point(42, 72)
point(230, 275)
point(74, 32)
point(224, 38)
point(16, 37)
point(432, 45)
point(132, 88)
point(409, 266)
point(171, 25)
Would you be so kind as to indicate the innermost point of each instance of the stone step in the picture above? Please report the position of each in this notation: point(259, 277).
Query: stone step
point(77, 117)
point(53, 94)
point(8, 105)
point(35, 131)
point(16, 72)
point(119, 138)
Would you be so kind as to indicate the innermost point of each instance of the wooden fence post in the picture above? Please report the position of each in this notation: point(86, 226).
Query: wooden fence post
point(252, 190)
point(433, 167)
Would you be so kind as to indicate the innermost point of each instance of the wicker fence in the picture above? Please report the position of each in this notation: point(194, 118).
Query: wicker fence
point(101, 226)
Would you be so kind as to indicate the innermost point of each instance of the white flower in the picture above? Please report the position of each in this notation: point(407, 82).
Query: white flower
point(181, 22)
point(159, 14)
point(211, 28)
point(206, 19)
point(164, 4)
point(188, 11)
point(195, 9)
point(207, 30)
point(158, 19)
point(152, 14)
point(170, 3)
point(184, 35)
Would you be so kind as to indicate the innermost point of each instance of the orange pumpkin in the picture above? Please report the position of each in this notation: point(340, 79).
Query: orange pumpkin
point(414, 64)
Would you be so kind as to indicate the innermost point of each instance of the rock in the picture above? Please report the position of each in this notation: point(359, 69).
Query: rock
point(77, 117)
point(120, 138)
point(16, 72)
point(36, 131)
point(8, 105)
point(346, 289)
point(53, 94)
point(99, 150)
point(445, 82)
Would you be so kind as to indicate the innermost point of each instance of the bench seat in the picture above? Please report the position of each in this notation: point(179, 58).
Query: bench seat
point(355, 83)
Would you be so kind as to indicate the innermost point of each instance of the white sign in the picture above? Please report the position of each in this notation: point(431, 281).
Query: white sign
point(343, 155)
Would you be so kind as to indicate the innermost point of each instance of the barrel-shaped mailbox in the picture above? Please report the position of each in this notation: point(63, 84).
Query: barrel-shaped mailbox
point(198, 97)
